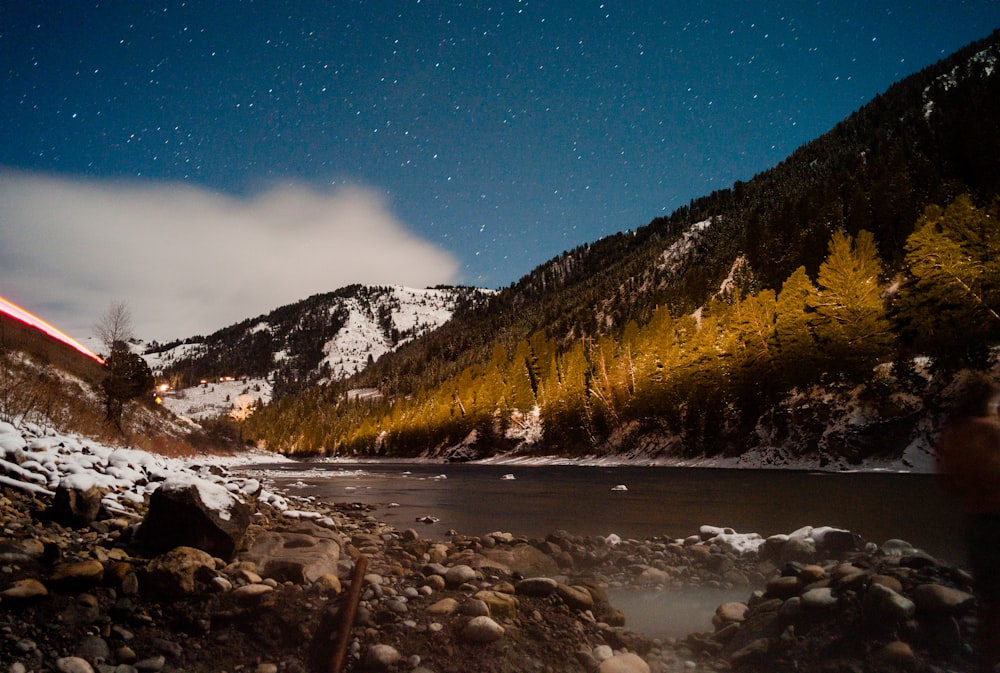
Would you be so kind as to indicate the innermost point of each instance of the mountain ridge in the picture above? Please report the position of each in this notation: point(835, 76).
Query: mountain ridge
point(878, 170)
point(324, 337)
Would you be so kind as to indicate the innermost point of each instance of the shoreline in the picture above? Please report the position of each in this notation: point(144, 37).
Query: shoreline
point(455, 602)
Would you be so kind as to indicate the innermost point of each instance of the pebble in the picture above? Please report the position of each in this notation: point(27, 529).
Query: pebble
point(818, 599)
point(482, 630)
point(937, 599)
point(94, 649)
point(73, 665)
point(624, 663)
point(398, 617)
point(24, 590)
point(151, 664)
point(382, 657)
point(458, 575)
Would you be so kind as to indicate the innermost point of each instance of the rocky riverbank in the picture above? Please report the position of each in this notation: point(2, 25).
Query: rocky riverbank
point(235, 579)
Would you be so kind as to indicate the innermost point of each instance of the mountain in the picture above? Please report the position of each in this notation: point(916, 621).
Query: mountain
point(325, 337)
point(735, 326)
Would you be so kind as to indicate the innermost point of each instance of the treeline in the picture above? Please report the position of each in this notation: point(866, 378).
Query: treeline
point(703, 378)
point(926, 140)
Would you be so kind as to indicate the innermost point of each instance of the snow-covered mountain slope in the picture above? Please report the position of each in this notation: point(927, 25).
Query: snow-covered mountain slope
point(376, 326)
point(323, 338)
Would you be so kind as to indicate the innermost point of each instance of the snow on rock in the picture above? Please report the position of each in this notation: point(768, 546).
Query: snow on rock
point(213, 496)
point(39, 460)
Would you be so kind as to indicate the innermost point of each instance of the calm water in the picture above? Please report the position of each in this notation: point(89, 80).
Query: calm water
point(477, 499)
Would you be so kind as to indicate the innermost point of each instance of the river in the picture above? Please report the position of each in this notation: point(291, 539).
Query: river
point(638, 502)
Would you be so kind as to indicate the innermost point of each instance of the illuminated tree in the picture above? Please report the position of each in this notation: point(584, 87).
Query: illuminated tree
point(949, 305)
point(851, 322)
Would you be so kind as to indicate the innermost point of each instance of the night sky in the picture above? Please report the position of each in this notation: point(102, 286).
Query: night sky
point(209, 161)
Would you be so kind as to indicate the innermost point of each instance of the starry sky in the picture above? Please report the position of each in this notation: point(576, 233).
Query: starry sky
point(208, 161)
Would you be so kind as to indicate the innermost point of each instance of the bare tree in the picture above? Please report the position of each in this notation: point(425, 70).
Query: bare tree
point(114, 327)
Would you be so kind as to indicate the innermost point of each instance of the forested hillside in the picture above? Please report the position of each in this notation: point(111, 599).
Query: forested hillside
point(864, 256)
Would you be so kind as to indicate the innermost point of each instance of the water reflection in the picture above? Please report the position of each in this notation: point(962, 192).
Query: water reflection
point(673, 502)
point(673, 613)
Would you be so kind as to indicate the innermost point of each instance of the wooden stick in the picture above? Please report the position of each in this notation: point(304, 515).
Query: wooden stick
point(347, 616)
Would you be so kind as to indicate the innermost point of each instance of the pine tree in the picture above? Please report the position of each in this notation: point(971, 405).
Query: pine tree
point(852, 325)
point(948, 307)
point(797, 354)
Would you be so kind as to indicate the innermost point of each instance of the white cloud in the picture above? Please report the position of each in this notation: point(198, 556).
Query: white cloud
point(189, 261)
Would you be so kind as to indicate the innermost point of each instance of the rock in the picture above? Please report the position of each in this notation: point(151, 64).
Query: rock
point(575, 597)
point(24, 551)
point(650, 575)
point(836, 541)
point(500, 604)
point(458, 575)
point(942, 600)
point(896, 547)
point(524, 559)
point(329, 582)
point(214, 520)
point(445, 606)
point(482, 630)
point(438, 553)
point(76, 576)
point(783, 587)
point(151, 664)
point(602, 652)
point(73, 665)
point(23, 590)
point(252, 592)
point(301, 555)
point(539, 587)
point(881, 606)
point(624, 663)
point(730, 612)
point(818, 599)
point(382, 657)
point(751, 654)
point(167, 647)
point(73, 506)
point(896, 654)
point(475, 608)
point(179, 571)
point(797, 549)
point(888, 581)
point(811, 573)
point(94, 649)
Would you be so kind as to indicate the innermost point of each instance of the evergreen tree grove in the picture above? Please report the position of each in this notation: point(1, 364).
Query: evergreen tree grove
point(704, 378)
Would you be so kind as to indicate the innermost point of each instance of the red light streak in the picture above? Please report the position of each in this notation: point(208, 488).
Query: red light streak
point(19, 314)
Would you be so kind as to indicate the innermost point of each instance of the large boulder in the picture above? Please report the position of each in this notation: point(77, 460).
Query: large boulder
point(193, 512)
point(180, 572)
point(524, 559)
point(77, 502)
point(301, 553)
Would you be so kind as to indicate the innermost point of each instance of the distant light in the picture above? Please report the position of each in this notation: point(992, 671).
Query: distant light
point(21, 315)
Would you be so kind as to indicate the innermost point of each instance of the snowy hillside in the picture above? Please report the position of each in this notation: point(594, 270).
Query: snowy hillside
point(323, 338)
point(412, 313)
